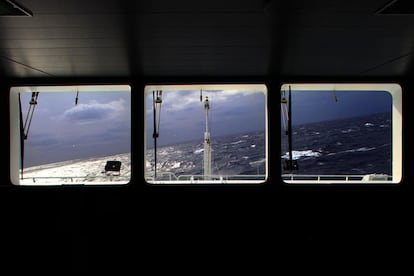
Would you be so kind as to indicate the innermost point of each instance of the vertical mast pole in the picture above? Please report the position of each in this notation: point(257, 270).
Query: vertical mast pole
point(154, 134)
point(290, 129)
point(207, 145)
point(157, 101)
point(21, 137)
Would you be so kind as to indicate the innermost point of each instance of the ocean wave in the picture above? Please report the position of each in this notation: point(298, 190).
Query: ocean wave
point(349, 130)
point(198, 151)
point(363, 142)
point(257, 163)
point(362, 149)
point(297, 154)
point(237, 142)
point(78, 171)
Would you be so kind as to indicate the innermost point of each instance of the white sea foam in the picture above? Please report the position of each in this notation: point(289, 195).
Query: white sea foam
point(349, 130)
point(257, 163)
point(176, 165)
point(90, 170)
point(297, 154)
point(237, 142)
point(361, 149)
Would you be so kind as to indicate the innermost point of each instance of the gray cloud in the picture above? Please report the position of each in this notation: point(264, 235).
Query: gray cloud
point(183, 118)
point(92, 112)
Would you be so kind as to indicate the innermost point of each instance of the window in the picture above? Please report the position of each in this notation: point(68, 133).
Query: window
point(70, 135)
point(341, 133)
point(205, 134)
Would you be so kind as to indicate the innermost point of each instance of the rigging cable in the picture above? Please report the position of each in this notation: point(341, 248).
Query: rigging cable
point(77, 97)
point(335, 96)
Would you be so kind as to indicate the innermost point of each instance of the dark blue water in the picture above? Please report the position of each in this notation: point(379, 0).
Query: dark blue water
point(359, 145)
point(352, 146)
point(240, 154)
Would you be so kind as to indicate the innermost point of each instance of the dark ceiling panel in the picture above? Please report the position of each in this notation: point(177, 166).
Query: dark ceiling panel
point(398, 7)
point(205, 38)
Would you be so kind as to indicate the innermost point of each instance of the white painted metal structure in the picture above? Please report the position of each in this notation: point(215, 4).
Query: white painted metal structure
point(207, 144)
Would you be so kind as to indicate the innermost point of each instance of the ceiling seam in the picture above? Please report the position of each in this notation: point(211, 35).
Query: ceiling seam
point(386, 62)
point(27, 66)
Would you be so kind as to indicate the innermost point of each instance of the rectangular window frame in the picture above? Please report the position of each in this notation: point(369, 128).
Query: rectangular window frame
point(15, 135)
point(176, 87)
point(396, 92)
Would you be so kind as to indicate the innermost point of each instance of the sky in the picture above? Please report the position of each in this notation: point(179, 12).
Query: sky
point(99, 125)
point(315, 106)
point(232, 111)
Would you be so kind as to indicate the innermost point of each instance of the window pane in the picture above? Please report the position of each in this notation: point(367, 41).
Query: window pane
point(205, 134)
point(71, 135)
point(340, 134)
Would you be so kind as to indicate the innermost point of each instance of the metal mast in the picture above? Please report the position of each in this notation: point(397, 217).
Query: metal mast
point(157, 101)
point(207, 143)
point(290, 164)
point(290, 129)
point(30, 112)
point(25, 126)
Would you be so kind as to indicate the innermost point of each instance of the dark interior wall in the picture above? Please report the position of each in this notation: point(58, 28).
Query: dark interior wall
point(100, 228)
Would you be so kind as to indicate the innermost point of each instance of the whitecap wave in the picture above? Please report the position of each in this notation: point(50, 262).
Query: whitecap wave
point(297, 154)
point(237, 142)
point(349, 130)
point(198, 151)
point(361, 149)
point(176, 165)
point(257, 163)
point(77, 171)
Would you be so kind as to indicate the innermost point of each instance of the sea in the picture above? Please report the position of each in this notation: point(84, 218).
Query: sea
point(233, 156)
point(86, 171)
point(351, 146)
